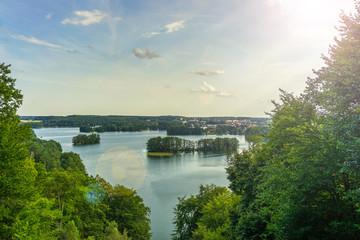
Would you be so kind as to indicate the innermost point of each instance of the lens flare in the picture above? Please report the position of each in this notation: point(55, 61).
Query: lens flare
point(94, 194)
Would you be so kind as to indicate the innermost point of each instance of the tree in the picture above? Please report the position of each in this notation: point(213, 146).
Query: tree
point(129, 212)
point(215, 220)
point(10, 97)
point(112, 232)
point(189, 211)
point(46, 152)
point(17, 170)
point(38, 220)
point(71, 232)
point(72, 160)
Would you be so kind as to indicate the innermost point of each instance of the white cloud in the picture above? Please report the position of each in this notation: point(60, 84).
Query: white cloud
point(224, 94)
point(207, 73)
point(145, 54)
point(150, 34)
point(206, 88)
point(48, 16)
point(117, 18)
point(168, 28)
point(86, 18)
point(42, 43)
point(175, 26)
point(209, 89)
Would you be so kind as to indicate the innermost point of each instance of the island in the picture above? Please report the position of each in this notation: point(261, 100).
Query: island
point(167, 146)
point(83, 139)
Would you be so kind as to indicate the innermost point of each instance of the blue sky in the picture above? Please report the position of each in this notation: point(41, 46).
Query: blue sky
point(189, 57)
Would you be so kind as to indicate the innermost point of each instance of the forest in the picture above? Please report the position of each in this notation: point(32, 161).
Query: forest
point(175, 145)
point(47, 194)
point(301, 179)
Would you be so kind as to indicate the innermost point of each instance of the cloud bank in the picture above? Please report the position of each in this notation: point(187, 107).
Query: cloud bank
point(145, 54)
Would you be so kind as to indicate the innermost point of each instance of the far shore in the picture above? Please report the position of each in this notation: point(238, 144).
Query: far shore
point(160, 154)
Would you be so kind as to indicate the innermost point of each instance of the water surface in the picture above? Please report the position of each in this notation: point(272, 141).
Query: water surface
point(121, 158)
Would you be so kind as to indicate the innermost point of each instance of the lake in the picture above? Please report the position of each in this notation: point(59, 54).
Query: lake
point(121, 158)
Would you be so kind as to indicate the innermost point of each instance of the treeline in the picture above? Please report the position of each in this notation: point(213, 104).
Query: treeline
point(304, 181)
point(174, 125)
point(83, 139)
point(47, 194)
point(124, 127)
point(162, 122)
point(217, 130)
point(183, 130)
point(105, 123)
point(175, 144)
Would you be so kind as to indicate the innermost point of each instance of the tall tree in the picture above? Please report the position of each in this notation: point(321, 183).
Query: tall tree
point(17, 171)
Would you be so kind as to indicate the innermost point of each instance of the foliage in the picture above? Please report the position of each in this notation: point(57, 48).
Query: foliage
point(17, 178)
point(255, 134)
point(112, 232)
point(190, 211)
point(72, 161)
point(175, 144)
point(10, 97)
point(170, 144)
point(83, 139)
point(215, 220)
point(304, 181)
point(301, 183)
point(38, 220)
point(42, 189)
point(46, 152)
point(183, 130)
point(127, 209)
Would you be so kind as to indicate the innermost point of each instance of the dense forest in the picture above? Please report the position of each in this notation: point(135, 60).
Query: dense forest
point(302, 182)
point(47, 194)
point(83, 139)
point(175, 145)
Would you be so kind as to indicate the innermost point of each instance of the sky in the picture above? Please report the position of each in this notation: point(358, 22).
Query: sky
point(181, 57)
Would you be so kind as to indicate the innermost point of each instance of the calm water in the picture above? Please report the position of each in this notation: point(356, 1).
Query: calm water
point(121, 158)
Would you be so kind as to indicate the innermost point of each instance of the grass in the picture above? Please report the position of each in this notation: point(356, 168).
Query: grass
point(160, 154)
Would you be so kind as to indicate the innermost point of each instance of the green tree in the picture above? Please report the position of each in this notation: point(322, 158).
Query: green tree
point(112, 232)
point(18, 173)
point(38, 220)
point(215, 220)
point(129, 212)
point(71, 232)
point(188, 211)
point(46, 152)
point(72, 160)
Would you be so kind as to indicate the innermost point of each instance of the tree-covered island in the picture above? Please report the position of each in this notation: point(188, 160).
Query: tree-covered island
point(175, 145)
point(83, 139)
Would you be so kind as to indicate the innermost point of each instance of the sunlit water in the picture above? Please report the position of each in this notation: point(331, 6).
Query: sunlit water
point(121, 158)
